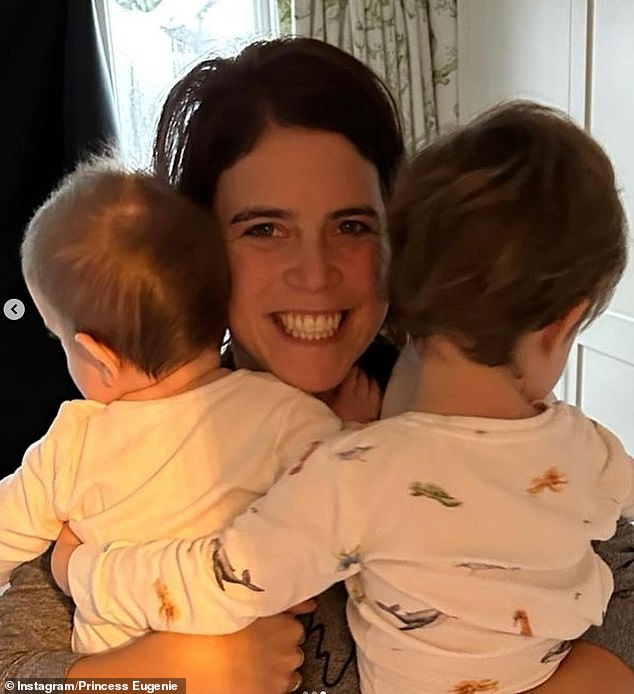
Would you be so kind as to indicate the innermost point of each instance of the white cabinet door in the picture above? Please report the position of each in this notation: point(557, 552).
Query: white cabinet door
point(601, 375)
point(534, 49)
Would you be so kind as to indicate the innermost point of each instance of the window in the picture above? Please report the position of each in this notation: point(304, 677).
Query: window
point(151, 43)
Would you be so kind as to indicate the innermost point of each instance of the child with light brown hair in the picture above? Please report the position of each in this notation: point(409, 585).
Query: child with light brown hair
point(133, 280)
point(463, 527)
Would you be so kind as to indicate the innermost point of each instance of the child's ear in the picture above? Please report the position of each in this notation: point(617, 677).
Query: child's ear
point(106, 361)
point(561, 331)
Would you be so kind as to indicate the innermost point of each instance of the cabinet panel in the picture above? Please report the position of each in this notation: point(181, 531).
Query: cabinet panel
point(525, 48)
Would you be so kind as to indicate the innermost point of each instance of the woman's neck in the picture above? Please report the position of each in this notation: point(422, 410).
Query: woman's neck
point(451, 384)
point(203, 369)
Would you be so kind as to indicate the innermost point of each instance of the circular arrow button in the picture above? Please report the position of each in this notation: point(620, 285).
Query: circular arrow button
point(14, 309)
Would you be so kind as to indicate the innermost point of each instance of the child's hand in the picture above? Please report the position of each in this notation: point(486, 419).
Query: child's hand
point(358, 398)
point(65, 545)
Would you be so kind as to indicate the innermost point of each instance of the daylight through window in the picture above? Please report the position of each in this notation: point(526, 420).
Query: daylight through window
point(151, 43)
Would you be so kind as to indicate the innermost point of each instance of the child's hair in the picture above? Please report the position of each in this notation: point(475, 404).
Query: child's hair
point(500, 228)
point(127, 259)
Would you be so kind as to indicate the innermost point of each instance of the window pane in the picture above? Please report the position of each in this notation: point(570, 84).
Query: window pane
point(154, 42)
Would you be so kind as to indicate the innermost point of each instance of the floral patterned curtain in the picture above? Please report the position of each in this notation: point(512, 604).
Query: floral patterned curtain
point(410, 44)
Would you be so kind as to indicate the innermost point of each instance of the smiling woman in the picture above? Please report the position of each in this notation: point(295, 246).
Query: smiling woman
point(307, 260)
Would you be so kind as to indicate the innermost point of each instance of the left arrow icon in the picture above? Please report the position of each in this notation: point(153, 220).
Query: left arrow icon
point(14, 309)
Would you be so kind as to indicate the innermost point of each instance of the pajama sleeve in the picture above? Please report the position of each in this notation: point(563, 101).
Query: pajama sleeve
point(306, 422)
point(290, 545)
point(29, 512)
point(618, 472)
point(616, 633)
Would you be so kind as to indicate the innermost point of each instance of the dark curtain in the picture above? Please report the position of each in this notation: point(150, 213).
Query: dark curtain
point(56, 108)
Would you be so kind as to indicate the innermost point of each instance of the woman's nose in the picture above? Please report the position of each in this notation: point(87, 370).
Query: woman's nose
point(313, 268)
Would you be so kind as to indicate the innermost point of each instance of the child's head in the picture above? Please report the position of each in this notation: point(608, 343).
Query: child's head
point(121, 262)
point(506, 227)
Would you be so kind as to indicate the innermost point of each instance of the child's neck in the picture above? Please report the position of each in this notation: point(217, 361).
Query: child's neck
point(198, 372)
point(451, 384)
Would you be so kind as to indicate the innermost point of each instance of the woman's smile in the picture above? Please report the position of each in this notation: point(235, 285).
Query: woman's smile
point(313, 327)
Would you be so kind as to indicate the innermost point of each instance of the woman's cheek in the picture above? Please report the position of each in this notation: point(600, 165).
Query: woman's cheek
point(377, 268)
point(375, 292)
point(382, 265)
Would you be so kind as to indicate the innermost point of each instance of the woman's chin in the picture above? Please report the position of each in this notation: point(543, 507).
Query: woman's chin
point(311, 378)
point(315, 363)
point(310, 368)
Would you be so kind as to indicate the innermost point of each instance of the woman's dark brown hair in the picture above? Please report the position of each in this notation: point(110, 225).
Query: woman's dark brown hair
point(217, 112)
point(502, 227)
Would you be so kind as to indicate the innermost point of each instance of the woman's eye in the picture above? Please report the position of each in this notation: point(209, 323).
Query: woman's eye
point(354, 227)
point(264, 230)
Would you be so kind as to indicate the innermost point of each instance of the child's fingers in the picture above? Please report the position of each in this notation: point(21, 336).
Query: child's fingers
point(358, 398)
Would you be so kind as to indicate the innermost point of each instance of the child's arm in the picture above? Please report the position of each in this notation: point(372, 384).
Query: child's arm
point(288, 546)
point(35, 634)
point(305, 423)
point(616, 633)
point(27, 508)
point(618, 472)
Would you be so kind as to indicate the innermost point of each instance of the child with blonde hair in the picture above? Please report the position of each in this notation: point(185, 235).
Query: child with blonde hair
point(133, 280)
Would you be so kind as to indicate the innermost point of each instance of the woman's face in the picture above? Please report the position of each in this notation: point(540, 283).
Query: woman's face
point(304, 221)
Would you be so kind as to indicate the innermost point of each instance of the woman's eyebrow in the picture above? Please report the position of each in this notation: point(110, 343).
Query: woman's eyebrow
point(250, 213)
point(363, 210)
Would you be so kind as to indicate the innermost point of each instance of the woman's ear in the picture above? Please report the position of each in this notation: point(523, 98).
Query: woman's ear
point(104, 359)
point(562, 331)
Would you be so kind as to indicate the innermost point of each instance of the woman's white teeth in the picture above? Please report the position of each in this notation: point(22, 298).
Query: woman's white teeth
point(310, 326)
